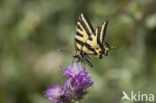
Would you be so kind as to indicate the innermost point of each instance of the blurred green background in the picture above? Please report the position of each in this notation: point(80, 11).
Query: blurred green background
point(31, 31)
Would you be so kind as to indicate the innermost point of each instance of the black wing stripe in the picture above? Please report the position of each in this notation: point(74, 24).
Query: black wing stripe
point(98, 36)
point(85, 28)
point(79, 42)
point(78, 26)
point(89, 48)
point(77, 33)
point(104, 32)
point(86, 45)
point(88, 22)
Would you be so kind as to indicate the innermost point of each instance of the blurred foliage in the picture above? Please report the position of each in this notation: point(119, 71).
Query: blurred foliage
point(31, 31)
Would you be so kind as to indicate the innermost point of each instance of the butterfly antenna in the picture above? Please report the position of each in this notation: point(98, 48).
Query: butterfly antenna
point(65, 51)
point(114, 47)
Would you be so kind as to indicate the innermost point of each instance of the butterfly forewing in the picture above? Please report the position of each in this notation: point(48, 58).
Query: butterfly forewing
point(84, 30)
point(86, 24)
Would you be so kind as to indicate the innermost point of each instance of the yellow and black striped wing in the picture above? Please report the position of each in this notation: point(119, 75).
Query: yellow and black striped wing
point(84, 30)
point(96, 43)
point(100, 32)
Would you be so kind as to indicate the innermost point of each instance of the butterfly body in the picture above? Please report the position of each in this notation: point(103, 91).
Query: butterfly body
point(88, 41)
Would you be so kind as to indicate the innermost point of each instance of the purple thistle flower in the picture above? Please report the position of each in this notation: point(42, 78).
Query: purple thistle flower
point(79, 80)
point(73, 70)
point(74, 88)
point(54, 92)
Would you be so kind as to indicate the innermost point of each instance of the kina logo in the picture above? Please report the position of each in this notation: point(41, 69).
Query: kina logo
point(138, 96)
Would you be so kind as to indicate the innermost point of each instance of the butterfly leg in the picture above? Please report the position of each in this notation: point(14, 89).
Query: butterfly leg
point(88, 61)
point(83, 60)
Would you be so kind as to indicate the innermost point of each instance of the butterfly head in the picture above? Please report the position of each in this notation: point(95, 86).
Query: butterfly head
point(106, 48)
point(103, 51)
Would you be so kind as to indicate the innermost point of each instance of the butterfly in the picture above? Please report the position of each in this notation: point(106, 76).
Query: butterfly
point(89, 41)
